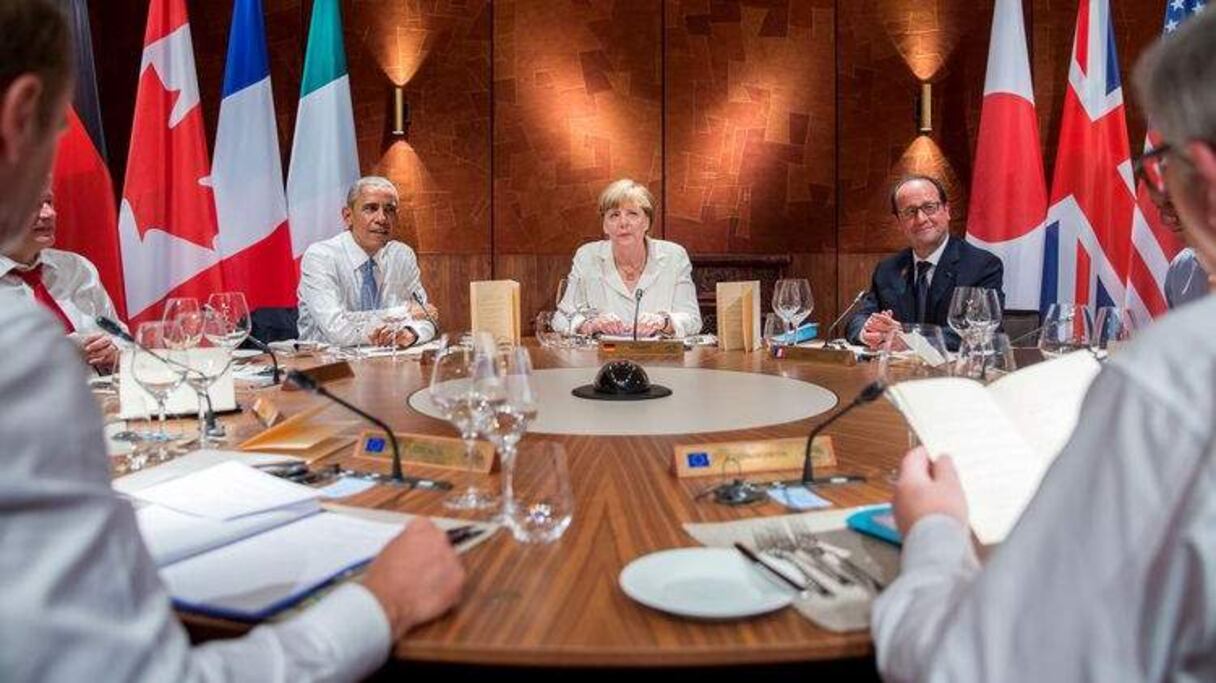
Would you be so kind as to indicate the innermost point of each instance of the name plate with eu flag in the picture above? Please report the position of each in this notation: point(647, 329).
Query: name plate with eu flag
point(432, 451)
point(733, 458)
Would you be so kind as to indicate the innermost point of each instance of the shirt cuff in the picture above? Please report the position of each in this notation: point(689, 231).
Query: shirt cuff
point(355, 628)
point(935, 541)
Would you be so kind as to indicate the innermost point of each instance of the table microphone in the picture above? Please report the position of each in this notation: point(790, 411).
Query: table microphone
point(397, 478)
point(265, 348)
point(637, 306)
point(868, 394)
point(422, 304)
point(847, 311)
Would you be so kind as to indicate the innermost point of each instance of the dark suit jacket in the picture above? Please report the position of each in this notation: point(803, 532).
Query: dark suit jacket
point(893, 286)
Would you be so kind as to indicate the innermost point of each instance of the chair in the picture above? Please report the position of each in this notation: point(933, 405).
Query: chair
point(274, 324)
point(1021, 325)
point(710, 269)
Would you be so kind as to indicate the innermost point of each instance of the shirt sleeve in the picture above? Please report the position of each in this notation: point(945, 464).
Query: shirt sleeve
point(1084, 578)
point(685, 311)
point(566, 319)
point(81, 596)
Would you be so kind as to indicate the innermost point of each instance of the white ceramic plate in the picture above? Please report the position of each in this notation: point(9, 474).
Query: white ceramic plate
point(704, 583)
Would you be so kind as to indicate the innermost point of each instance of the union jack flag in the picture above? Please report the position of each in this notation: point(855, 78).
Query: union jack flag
point(1092, 214)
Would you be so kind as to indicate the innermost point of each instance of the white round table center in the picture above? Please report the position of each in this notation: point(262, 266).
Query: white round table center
point(702, 400)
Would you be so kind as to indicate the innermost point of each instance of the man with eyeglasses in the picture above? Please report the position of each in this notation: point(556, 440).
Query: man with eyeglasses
point(1185, 279)
point(915, 285)
point(1109, 573)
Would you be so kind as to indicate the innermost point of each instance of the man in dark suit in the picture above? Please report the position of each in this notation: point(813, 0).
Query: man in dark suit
point(915, 285)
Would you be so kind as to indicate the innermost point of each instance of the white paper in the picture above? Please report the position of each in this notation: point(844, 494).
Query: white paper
point(250, 576)
point(226, 491)
point(135, 403)
point(191, 462)
point(917, 343)
point(172, 536)
point(1002, 438)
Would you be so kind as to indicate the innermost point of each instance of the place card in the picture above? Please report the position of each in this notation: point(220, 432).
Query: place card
point(767, 455)
point(738, 307)
point(643, 348)
point(432, 451)
point(494, 307)
point(322, 374)
point(843, 357)
point(307, 435)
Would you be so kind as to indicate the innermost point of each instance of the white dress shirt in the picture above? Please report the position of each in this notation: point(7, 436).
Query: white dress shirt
point(1110, 574)
point(80, 598)
point(666, 285)
point(330, 282)
point(72, 281)
point(1185, 280)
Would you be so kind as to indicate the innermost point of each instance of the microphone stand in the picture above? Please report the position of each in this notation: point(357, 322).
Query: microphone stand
point(637, 306)
point(265, 348)
point(847, 311)
point(397, 478)
point(422, 304)
point(868, 394)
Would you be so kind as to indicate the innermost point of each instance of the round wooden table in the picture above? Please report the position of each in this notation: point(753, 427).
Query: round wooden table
point(559, 605)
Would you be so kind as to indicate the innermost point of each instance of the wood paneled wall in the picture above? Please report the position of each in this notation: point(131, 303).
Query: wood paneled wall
point(762, 126)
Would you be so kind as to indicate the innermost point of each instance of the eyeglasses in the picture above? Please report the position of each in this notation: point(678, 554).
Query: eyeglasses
point(1151, 167)
point(928, 208)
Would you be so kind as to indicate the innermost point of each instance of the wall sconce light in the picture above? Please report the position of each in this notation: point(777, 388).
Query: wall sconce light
point(924, 109)
point(401, 113)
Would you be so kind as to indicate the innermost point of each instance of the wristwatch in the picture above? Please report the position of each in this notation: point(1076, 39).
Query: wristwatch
point(667, 322)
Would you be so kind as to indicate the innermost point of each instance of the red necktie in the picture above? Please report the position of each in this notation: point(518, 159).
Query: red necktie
point(33, 278)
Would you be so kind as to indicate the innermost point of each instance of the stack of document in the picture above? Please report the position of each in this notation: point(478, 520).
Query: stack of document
point(234, 542)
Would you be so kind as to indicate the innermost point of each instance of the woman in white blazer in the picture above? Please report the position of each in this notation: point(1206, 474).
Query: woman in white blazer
point(627, 272)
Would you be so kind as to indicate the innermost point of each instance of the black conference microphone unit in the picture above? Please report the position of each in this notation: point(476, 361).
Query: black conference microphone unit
point(397, 478)
point(265, 348)
point(848, 310)
point(868, 394)
point(637, 306)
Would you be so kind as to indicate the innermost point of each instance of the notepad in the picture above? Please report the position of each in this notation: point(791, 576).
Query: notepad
point(226, 491)
point(494, 308)
point(136, 403)
point(1002, 437)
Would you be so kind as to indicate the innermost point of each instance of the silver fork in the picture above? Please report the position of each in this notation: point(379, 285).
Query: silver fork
point(776, 544)
point(810, 543)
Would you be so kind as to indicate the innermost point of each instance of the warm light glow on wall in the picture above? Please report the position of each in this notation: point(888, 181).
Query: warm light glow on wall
point(924, 33)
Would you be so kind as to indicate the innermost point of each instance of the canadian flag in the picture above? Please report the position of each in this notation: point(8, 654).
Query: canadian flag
point(167, 222)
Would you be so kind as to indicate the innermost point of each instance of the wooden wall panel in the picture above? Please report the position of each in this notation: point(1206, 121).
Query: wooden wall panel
point(750, 126)
point(447, 278)
point(577, 104)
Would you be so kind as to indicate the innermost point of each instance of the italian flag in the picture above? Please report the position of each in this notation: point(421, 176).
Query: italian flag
point(324, 160)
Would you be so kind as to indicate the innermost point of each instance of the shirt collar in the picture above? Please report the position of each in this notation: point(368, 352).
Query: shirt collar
point(935, 257)
point(8, 265)
point(355, 256)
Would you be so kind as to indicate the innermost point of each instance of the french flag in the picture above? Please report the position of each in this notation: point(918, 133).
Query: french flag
point(247, 176)
point(1008, 189)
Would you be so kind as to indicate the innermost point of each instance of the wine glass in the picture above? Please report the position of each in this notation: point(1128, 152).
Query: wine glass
point(1066, 328)
point(205, 365)
point(1113, 327)
point(461, 387)
point(185, 312)
point(806, 303)
point(513, 415)
point(973, 312)
point(395, 315)
point(774, 332)
point(991, 360)
point(914, 351)
point(234, 312)
point(153, 368)
point(542, 502)
point(546, 334)
point(589, 299)
point(787, 301)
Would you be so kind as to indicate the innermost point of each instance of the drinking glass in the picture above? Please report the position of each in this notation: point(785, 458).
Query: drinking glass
point(231, 309)
point(542, 501)
point(188, 319)
point(774, 331)
point(1066, 328)
point(974, 312)
point(991, 360)
point(1113, 327)
point(395, 314)
point(513, 415)
point(546, 335)
point(462, 387)
point(914, 351)
point(152, 368)
point(787, 301)
point(205, 365)
point(806, 303)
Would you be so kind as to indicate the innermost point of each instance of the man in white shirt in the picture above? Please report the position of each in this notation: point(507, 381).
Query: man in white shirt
point(63, 281)
point(361, 286)
point(81, 598)
point(1108, 575)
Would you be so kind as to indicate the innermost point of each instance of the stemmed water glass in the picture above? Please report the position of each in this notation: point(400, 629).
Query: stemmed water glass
point(467, 386)
point(512, 416)
point(1113, 327)
point(1067, 327)
point(793, 302)
point(152, 367)
point(205, 365)
point(185, 312)
point(234, 312)
point(975, 312)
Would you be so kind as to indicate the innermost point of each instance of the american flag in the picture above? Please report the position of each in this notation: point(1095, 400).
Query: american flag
point(1088, 251)
point(1154, 245)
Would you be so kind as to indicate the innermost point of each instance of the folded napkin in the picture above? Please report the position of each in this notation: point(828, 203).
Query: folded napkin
point(849, 608)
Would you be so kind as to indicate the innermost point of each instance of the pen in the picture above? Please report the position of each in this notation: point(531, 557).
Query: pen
point(460, 534)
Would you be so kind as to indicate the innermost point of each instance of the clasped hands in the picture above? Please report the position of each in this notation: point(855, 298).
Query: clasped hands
point(649, 324)
point(403, 337)
point(877, 327)
point(99, 351)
